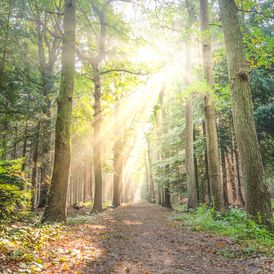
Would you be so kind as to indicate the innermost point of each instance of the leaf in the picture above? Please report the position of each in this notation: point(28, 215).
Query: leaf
point(65, 267)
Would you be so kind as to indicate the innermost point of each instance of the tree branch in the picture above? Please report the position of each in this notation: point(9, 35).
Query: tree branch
point(123, 70)
point(258, 12)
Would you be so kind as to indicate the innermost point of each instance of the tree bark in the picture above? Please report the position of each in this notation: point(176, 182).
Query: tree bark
point(166, 189)
point(224, 173)
point(117, 161)
point(231, 175)
point(5, 47)
point(25, 144)
point(157, 118)
point(258, 198)
point(97, 141)
point(147, 179)
point(206, 168)
point(210, 114)
point(189, 157)
point(47, 53)
point(34, 166)
point(196, 169)
point(56, 209)
point(239, 176)
point(151, 179)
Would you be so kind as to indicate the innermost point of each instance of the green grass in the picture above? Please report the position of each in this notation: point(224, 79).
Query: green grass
point(235, 223)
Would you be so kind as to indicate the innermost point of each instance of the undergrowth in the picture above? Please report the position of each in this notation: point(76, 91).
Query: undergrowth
point(26, 243)
point(234, 223)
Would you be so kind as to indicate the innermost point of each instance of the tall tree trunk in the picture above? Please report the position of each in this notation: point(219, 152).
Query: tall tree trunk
point(210, 114)
point(97, 141)
point(46, 136)
point(86, 181)
point(231, 175)
point(189, 157)
point(45, 163)
point(239, 176)
point(117, 160)
point(224, 173)
point(91, 181)
point(117, 174)
point(25, 143)
point(15, 142)
point(56, 209)
point(5, 46)
point(258, 198)
point(47, 53)
point(152, 191)
point(157, 118)
point(34, 166)
point(208, 192)
point(147, 180)
point(4, 143)
point(196, 169)
point(166, 189)
point(241, 197)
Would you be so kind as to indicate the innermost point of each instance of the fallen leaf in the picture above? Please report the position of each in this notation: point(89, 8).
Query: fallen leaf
point(65, 267)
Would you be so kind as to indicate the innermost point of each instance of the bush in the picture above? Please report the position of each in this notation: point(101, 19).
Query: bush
point(235, 223)
point(15, 191)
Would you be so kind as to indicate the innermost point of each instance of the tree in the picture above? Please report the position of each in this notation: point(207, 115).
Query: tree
point(56, 209)
point(117, 158)
point(48, 35)
point(258, 202)
point(151, 179)
point(189, 156)
point(166, 202)
point(210, 114)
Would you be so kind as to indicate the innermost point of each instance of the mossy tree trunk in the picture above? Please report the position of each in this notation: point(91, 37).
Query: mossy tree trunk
point(210, 114)
point(258, 199)
point(56, 209)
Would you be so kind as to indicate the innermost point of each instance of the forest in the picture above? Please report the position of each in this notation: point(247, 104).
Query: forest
point(136, 136)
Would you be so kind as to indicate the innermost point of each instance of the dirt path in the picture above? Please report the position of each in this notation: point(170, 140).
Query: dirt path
point(140, 238)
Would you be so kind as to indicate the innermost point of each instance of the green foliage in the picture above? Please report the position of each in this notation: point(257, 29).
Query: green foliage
point(14, 191)
point(198, 87)
point(235, 223)
point(23, 243)
point(10, 199)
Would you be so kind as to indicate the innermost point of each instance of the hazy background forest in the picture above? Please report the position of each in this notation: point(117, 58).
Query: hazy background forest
point(108, 102)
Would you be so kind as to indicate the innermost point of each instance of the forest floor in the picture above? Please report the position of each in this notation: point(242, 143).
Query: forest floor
point(138, 238)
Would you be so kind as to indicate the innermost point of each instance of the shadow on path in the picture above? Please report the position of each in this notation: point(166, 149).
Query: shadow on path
point(140, 238)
